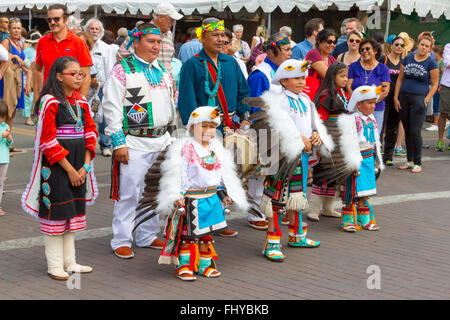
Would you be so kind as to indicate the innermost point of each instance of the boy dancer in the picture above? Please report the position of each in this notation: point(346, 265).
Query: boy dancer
point(294, 117)
point(357, 213)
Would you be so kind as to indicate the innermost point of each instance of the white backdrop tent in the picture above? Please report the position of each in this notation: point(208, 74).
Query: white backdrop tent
point(423, 7)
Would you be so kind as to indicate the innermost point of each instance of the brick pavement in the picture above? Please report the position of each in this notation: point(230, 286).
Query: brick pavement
point(411, 249)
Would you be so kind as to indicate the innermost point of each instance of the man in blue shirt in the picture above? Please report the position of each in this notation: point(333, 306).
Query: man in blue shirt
point(260, 79)
point(352, 24)
point(312, 28)
point(197, 87)
point(191, 48)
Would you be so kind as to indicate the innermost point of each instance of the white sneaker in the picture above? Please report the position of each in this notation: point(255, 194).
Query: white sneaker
point(106, 153)
point(433, 127)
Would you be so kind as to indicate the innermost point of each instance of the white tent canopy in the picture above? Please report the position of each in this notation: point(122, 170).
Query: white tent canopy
point(422, 7)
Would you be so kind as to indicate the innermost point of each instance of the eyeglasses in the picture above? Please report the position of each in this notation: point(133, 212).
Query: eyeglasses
point(331, 42)
point(399, 45)
point(56, 19)
point(365, 48)
point(82, 75)
point(354, 40)
point(226, 43)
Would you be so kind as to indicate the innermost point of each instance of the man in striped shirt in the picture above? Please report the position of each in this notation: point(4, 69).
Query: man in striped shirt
point(164, 18)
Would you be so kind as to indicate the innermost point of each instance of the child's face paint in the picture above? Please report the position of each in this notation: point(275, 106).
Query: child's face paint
point(341, 79)
point(367, 107)
point(295, 85)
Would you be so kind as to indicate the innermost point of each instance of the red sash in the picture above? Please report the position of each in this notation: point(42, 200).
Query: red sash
point(220, 96)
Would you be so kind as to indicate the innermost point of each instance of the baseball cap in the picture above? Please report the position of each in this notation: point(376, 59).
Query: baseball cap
point(167, 9)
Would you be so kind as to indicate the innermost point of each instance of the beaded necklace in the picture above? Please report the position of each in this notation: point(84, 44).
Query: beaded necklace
point(212, 94)
point(343, 98)
point(297, 105)
point(77, 117)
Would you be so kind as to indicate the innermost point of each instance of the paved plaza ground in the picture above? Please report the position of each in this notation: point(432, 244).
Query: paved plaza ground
point(408, 258)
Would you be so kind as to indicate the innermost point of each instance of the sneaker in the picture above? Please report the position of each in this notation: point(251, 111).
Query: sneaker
point(440, 146)
point(389, 163)
point(433, 127)
point(106, 153)
point(227, 233)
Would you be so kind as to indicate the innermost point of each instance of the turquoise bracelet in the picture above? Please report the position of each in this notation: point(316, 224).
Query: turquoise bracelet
point(87, 167)
point(118, 139)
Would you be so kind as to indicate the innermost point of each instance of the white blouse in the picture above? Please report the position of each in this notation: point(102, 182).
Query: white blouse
point(195, 175)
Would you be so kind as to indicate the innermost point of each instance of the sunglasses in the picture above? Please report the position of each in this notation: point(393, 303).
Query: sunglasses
point(82, 75)
point(365, 48)
point(331, 42)
point(354, 40)
point(56, 19)
point(399, 45)
point(226, 43)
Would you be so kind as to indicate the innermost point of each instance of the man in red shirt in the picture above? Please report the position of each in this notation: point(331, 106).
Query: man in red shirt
point(60, 42)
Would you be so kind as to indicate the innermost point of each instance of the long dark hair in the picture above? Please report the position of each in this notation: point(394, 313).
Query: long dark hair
point(53, 86)
point(328, 85)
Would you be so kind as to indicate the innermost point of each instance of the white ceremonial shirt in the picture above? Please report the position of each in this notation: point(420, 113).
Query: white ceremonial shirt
point(162, 106)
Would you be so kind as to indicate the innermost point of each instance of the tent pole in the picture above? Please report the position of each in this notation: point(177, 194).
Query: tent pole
point(29, 19)
point(388, 19)
point(95, 11)
point(269, 23)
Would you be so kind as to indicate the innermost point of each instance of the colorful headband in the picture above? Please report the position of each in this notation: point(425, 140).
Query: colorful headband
point(135, 34)
point(279, 43)
point(214, 26)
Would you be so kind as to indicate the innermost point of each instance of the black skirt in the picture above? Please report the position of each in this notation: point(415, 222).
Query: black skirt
point(58, 199)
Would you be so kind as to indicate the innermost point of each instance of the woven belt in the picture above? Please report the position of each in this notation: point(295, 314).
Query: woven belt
point(147, 132)
point(201, 193)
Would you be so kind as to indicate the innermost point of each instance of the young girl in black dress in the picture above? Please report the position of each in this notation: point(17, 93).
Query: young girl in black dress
point(62, 181)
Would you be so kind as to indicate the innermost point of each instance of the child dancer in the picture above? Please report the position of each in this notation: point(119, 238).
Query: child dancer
point(357, 213)
point(197, 174)
point(5, 142)
point(294, 117)
point(62, 181)
point(331, 102)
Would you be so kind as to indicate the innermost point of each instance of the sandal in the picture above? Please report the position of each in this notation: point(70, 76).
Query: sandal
point(211, 272)
point(2, 213)
point(416, 169)
point(406, 166)
point(185, 273)
point(29, 122)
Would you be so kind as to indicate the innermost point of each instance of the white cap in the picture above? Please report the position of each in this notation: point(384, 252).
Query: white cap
point(204, 114)
point(291, 68)
point(167, 9)
point(363, 93)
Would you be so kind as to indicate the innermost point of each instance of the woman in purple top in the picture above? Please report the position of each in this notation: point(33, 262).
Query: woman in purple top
point(321, 57)
point(369, 71)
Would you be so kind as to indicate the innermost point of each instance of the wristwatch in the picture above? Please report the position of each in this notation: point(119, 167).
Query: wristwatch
point(87, 167)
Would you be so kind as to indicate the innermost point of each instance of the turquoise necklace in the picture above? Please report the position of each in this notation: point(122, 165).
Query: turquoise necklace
point(343, 98)
point(212, 94)
point(77, 117)
point(297, 105)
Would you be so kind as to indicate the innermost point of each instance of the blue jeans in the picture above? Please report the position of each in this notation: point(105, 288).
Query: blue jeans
point(104, 141)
